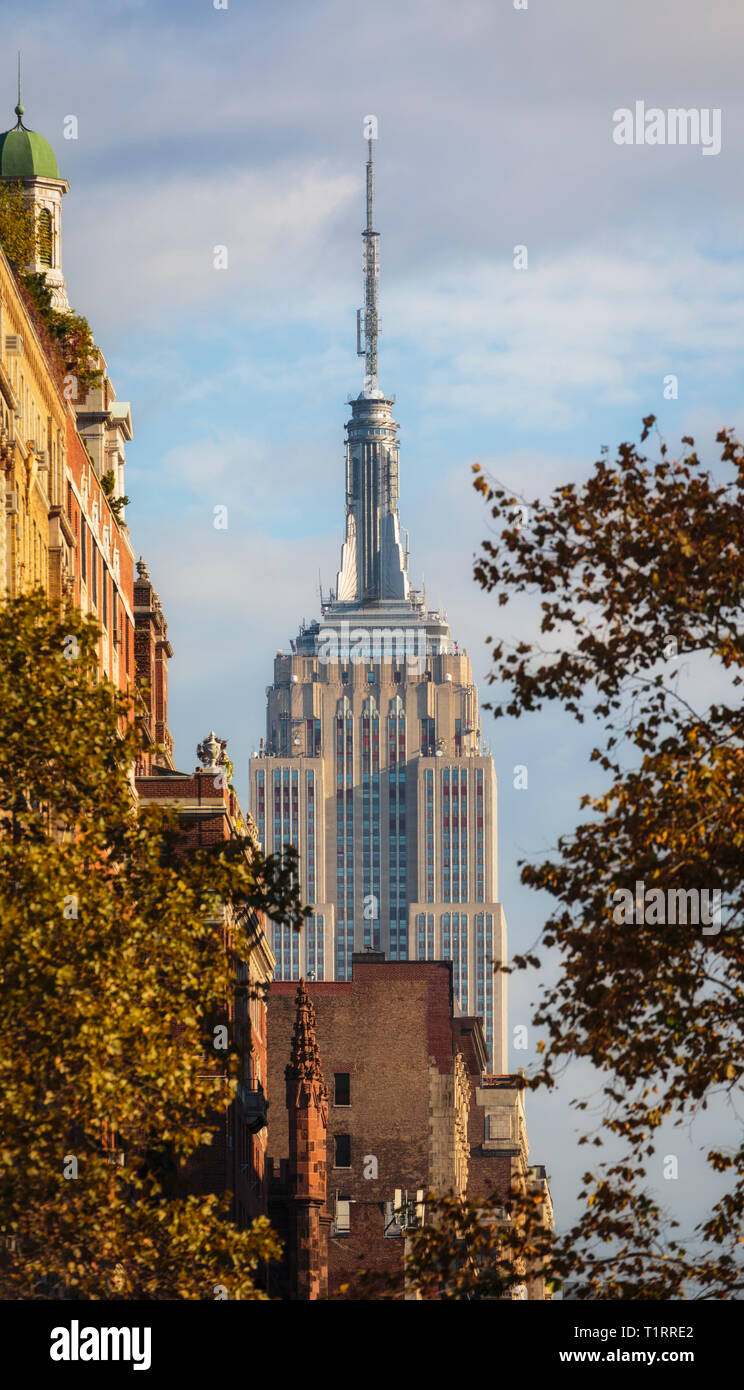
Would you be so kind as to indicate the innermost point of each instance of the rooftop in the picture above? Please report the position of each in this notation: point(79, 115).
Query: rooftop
point(24, 154)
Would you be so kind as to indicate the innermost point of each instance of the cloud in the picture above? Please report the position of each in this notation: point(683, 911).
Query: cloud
point(537, 346)
point(162, 235)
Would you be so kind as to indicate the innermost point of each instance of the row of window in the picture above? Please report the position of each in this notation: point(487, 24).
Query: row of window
point(101, 586)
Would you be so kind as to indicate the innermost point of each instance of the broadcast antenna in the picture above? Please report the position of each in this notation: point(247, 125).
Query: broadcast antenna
point(367, 333)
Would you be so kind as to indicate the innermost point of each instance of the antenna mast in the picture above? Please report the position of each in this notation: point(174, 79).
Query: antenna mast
point(19, 107)
point(367, 342)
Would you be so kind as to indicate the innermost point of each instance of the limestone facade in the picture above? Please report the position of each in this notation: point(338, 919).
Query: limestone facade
point(33, 416)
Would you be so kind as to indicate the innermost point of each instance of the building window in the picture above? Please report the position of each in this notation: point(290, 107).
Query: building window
point(342, 1216)
point(342, 1157)
point(45, 237)
point(341, 1089)
point(428, 738)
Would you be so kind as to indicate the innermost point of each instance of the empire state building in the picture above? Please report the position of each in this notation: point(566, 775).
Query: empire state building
point(372, 764)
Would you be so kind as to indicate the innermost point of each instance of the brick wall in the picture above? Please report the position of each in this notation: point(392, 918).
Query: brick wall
point(415, 1091)
point(387, 1028)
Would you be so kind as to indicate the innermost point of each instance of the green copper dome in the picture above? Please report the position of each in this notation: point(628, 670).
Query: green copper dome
point(26, 155)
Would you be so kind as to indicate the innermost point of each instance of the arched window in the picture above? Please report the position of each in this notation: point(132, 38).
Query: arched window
point(45, 237)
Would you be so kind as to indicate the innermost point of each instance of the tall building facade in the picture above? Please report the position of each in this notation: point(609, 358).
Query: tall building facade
point(208, 813)
point(62, 527)
point(372, 765)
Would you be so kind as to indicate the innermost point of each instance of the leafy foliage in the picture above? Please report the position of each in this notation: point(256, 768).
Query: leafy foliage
point(71, 332)
point(116, 504)
point(113, 971)
point(467, 1250)
point(18, 233)
point(640, 573)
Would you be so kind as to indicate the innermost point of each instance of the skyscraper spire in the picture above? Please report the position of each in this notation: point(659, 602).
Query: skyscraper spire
point(373, 562)
point(367, 341)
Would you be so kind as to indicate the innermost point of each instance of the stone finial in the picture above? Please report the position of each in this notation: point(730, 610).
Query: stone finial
point(209, 752)
point(304, 1061)
point(142, 570)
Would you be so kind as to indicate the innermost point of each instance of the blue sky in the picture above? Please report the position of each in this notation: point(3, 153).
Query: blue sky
point(243, 127)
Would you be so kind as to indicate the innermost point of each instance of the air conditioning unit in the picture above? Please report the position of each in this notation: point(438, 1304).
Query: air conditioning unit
point(11, 504)
point(14, 343)
point(117, 636)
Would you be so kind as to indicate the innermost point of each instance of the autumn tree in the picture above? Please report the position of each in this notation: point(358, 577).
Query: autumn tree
point(18, 229)
point(467, 1249)
point(639, 576)
point(111, 972)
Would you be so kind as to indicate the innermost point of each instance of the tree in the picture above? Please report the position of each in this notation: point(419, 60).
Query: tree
point(467, 1249)
point(18, 231)
point(112, 973)
point(640, 576)
point(117, 504)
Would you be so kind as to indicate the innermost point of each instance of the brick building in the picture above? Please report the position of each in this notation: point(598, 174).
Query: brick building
point(103, 572)
point(94, 560)
point(153, 651)
point(209, 812)
point(411, 1108)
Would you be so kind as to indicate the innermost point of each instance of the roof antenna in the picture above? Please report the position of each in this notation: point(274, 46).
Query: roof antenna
point(19, 108)
point(367, 341)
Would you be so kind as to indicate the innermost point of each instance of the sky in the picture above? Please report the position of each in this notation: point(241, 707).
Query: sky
point(241, 127)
